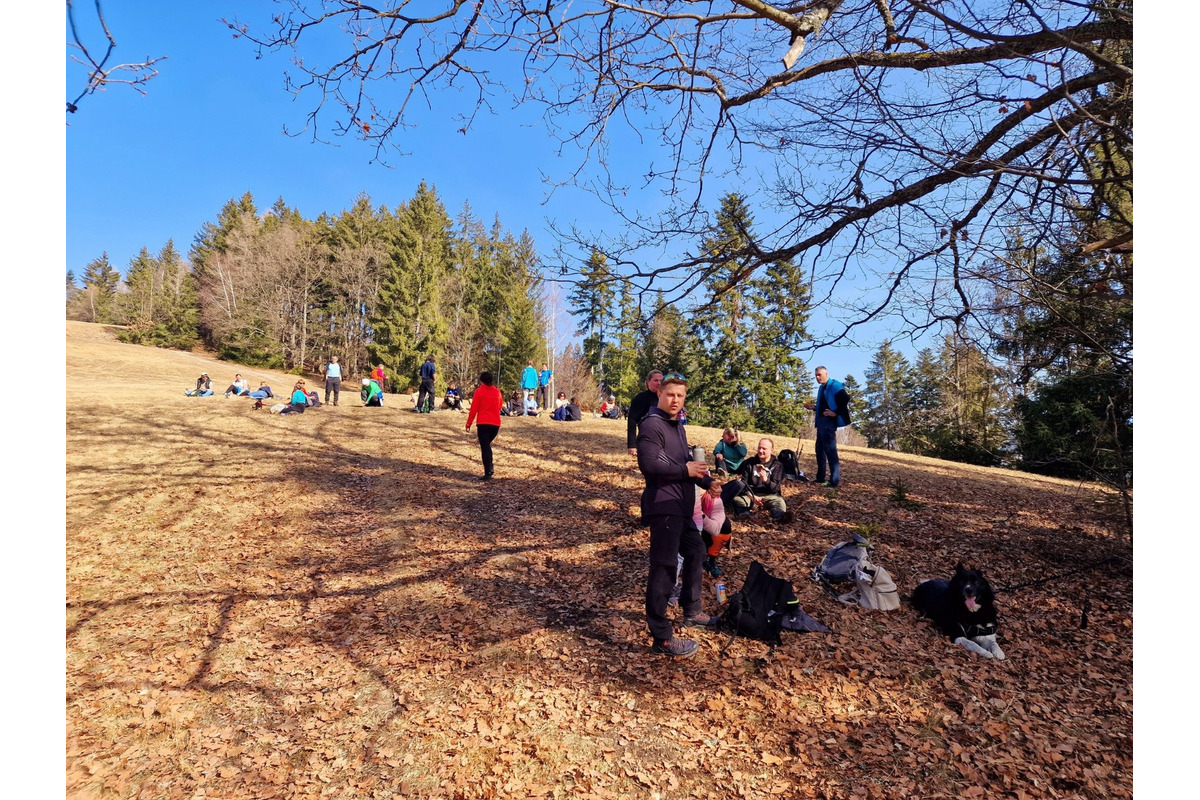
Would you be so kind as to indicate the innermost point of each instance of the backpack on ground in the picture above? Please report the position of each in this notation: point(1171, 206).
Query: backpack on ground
point(791, 465)
point(873, 589)
point(757, 610)
point(842, 563)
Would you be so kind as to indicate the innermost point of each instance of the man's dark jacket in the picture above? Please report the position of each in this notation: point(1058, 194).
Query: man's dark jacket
point(773, 483)
point(638, 408)
point(662, 454)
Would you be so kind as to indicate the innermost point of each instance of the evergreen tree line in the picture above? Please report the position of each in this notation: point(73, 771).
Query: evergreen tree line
point(375, 286)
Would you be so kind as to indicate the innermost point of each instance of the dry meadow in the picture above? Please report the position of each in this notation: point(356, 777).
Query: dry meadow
point(330, 605)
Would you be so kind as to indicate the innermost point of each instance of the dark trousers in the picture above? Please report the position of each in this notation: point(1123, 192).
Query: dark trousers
point(671, 537)
point(827, 450)
point(543, 396)
point(333, 385)
point(486, 434)
point(425, 393)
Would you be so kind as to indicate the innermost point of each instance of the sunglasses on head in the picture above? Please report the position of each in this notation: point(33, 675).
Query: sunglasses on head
point(673, 376)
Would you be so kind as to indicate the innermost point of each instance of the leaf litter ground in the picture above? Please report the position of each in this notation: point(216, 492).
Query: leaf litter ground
point(330, 605)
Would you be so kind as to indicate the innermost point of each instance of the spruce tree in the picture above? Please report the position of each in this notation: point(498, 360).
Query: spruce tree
point(591, 302)
point(889, 398)
point(100, 282)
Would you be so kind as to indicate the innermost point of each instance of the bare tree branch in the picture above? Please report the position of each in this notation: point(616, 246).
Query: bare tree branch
point(99, 74)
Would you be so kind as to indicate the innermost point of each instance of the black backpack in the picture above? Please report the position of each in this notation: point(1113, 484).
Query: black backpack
point(758, 608)
point(842, 563)
point(791, 465)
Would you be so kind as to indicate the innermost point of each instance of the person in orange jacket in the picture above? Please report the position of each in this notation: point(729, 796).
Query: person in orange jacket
point(485, 405)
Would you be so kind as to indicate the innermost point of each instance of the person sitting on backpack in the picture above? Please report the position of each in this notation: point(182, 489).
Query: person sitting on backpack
point(729, 452)
point(715, 528)
point(762, 475)
point(299, 400)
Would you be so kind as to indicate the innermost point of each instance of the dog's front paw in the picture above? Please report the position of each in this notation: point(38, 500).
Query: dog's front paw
point(967, 644)
point(991, 645)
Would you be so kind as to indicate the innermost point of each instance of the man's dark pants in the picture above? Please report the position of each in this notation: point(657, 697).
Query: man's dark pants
point(333, 385)
point(827, 450)
point(671, 537)
point(425, 393)
point(543, 396)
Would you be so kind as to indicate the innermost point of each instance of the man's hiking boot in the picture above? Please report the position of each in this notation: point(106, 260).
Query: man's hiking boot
point(679, 648)
point(742, 515)
point(673, 600)
point(701, 620)
point(786, 518)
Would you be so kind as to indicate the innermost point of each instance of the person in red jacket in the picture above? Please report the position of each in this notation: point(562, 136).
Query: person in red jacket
point(485, 404)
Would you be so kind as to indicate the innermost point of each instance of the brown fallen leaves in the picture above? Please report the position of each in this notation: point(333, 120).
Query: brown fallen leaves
point(331, 606)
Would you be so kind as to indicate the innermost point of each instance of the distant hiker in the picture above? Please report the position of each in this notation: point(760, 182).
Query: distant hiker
point(574, 412)
point(668, 503)
point(427, 373)
point(560, 401)
point(378, 376)
point(299, 400)
point(239, 386)
point(638, 407)
point(544, 386)
point(531, 407)
point(263, 392)
point(608, 408)
point(832, 409)
point(529, 381)
point(203, 387)
point(333, 379)
point(485, 405)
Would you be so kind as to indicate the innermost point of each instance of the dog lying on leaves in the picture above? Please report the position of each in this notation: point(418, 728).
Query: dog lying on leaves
point(963, 608)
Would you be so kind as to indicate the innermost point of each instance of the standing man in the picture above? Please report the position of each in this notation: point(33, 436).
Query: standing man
point(529, 382)
point(428, 370)
point(333, 379)
point(641, 403)
point(833, 412)
point(763, 476)
point(669, 502)
point(544, 386)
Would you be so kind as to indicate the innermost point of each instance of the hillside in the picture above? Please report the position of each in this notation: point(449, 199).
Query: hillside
point(330, 605)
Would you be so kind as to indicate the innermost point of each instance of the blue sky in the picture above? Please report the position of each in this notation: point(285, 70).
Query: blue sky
point(144, 169)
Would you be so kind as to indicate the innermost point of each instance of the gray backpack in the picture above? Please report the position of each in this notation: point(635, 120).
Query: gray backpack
point(842, 563)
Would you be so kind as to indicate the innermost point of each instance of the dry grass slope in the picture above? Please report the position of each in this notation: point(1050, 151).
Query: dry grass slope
point(329, 605)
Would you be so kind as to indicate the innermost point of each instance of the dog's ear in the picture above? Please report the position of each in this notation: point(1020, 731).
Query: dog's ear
point(959, 569)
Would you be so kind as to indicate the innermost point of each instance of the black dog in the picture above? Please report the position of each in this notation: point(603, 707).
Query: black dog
point(963, 608)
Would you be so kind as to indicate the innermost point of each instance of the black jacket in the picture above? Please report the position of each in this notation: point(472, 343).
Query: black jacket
point(774, 482)
point(638, 408)
point(662, 454)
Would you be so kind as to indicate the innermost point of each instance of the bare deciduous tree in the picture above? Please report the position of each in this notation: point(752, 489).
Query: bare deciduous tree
point(897, 141)
point(100, 74)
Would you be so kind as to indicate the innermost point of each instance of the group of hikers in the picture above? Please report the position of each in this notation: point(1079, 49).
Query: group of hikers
point(688, 530)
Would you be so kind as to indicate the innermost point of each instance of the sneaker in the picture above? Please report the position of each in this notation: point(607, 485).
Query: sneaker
point(679, 648)
point(787, 518)
point(673, 600)
point(701, 620)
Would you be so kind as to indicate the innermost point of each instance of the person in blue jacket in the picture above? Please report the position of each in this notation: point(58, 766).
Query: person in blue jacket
point(832, 409)
point(543, 389)
point(529, 382)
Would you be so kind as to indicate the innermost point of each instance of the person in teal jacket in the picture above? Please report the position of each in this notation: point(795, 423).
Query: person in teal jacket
point(729, 452)
point(529, 382)
point(832, 409)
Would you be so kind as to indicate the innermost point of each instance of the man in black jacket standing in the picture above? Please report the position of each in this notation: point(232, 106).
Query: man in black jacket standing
point(668, 503)
point(639, 406)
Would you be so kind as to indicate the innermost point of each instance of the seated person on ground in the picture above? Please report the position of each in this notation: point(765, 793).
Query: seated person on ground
point(262, 392)
point(531, 408)
point(203, 387)
point(762, 476)
point(560, 401)
point(453, 398)
point(729, 452)
point(574, 412)
point(239, 386)
point(609, 408)
point(299, 400)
